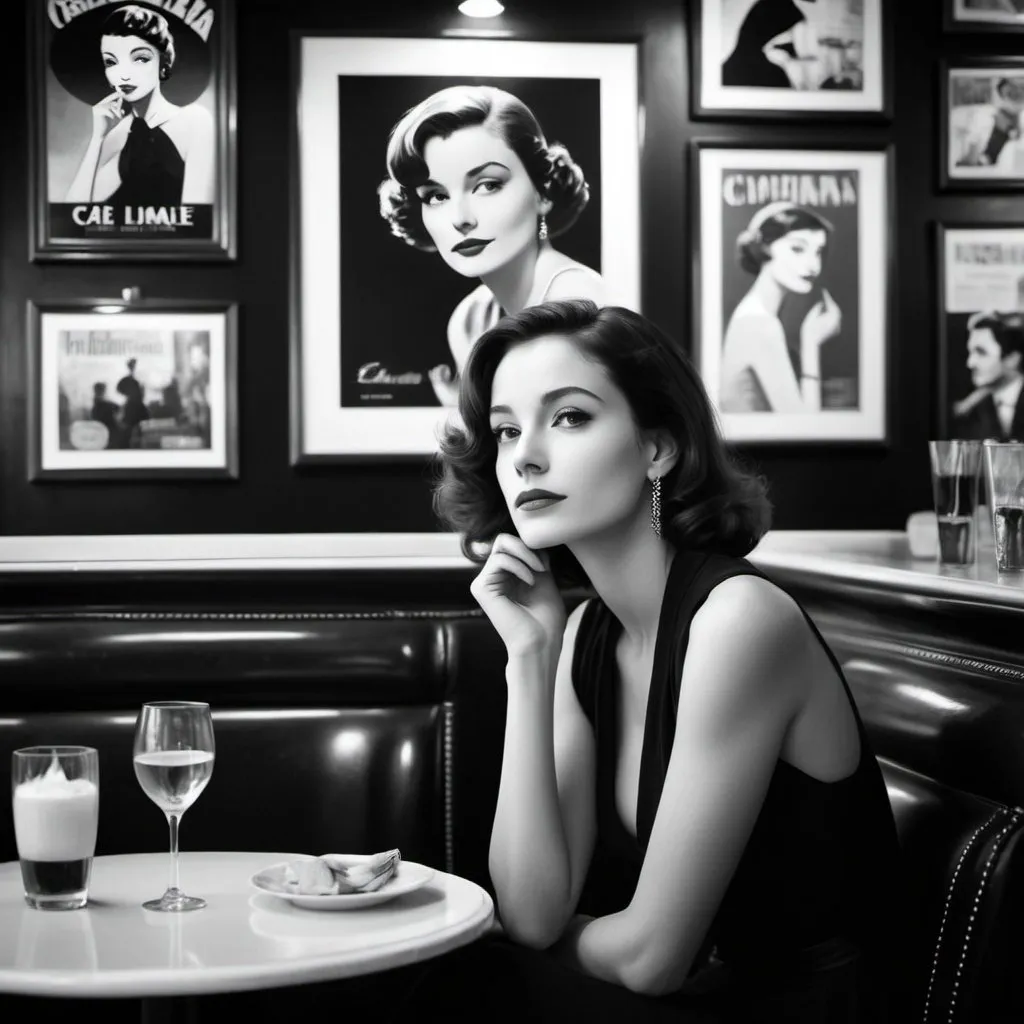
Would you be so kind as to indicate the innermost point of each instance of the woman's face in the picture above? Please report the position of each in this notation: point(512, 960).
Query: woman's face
point(562, 426)
point(479, 205)
point(132, 65)
point(794, 260)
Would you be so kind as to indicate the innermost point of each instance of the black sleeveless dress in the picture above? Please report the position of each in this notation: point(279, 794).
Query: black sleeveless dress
point(817, 886)
point(151, 169)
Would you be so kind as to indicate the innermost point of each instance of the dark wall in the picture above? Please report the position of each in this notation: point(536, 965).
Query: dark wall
point(815, 487)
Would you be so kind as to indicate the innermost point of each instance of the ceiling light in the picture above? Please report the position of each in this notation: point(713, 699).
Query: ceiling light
point(481, 8)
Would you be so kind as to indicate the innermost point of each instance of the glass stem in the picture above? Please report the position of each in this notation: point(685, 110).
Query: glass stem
point(172, 821)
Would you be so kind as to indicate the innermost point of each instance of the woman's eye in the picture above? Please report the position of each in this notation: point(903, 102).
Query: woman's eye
point(503, 434)
point(488, 185)
point(433, 198)
point(108, 63)
point(572, 417)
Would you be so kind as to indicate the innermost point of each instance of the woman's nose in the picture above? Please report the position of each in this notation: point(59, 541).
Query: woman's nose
point(529, 454)
point(462, 215)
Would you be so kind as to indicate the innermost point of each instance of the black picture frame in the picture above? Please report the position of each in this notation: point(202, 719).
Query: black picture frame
point(975, 179)
point(956, 17)
point(954, 309)
point(324, 430)
point(96, 230)
point(769, 104)
point(869, 427)
point(50, 413)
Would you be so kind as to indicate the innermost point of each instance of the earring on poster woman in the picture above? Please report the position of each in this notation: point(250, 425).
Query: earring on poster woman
point(656, 506)
point(542, 231)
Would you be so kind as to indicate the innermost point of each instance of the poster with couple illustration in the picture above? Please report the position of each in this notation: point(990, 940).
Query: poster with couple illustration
point(788, 59)
point(791, 300)
point(440, 183)
point(984, 15)
point(133, 125)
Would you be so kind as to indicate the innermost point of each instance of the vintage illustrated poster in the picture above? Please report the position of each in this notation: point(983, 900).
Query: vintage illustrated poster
point(402, 246)
point(982, 332)
point(134, 129)
point(792, 320)
point(771, 57)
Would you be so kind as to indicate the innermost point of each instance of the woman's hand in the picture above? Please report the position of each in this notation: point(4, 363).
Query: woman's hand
point(823, 321)
point(445, 385)
point(105, 114)
point(517, 593)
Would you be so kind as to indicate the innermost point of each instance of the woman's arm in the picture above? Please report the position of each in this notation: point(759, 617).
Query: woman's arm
point(736, 703)
point(544, 824)
point(106, 115)
point(200, 156)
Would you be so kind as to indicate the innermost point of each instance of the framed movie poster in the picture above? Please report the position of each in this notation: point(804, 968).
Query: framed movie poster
point(133, 130)
point(981, 332)
point(792, 289)
point(981, 131)
point(791, 59)
point(984, 15)
point(132, 391)
point(393, 283)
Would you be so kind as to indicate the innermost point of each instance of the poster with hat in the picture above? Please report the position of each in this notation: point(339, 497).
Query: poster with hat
point(788, 59)
point(133, 113)
point(981, 136)
point(791, 293)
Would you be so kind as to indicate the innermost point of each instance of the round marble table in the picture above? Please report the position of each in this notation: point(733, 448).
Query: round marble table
point(242, 940)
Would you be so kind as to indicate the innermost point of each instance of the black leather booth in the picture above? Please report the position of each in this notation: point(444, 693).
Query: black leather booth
point(357, 715)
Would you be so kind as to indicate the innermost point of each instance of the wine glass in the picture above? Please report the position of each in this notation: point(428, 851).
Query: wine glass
point(173, 754)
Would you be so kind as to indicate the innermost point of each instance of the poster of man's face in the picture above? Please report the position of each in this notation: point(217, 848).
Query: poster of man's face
point(133, 139)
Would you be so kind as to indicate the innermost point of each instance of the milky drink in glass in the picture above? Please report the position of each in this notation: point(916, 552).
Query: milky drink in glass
point(55, 803)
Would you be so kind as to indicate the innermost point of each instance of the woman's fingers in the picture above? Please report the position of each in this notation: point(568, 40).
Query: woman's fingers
point(515, 546)
point(510, 564)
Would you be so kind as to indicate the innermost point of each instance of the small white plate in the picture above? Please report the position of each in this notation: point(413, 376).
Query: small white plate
point(408, 877)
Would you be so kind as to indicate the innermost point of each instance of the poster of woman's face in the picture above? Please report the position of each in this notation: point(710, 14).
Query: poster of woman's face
point(984, 15)
point(789, 58)
point(127, 392)
point(133, 123)
point(406, 237)
point(791, 291)
point(982, 141)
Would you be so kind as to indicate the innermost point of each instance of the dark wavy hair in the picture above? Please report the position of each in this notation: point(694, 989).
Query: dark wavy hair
point(768, 225)
point(708, 500)
point(133, 20)
point(1007, 330)
point(554, 173)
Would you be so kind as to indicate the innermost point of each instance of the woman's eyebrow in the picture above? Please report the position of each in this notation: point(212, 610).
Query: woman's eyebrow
point(551, 396)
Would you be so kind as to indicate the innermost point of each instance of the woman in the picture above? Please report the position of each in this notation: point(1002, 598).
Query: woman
point(690, 824)
point(144, 150)
point(784, 247)
point(472, 177)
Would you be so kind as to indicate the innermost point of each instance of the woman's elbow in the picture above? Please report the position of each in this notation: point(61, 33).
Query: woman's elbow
point(536, 935)
point(651, 976)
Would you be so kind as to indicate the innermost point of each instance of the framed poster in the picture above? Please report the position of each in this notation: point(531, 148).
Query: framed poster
point(133, 131)
point(792, 289)
point(383, 311)
point(981, 130)
point(791, 59)
point(132, 391)
point(981, 331)
point(984, 15)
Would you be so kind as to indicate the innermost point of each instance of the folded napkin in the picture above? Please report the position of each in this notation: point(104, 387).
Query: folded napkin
point(334, 874)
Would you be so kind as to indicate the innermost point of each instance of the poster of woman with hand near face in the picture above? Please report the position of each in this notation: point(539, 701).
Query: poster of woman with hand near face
point(133, 141)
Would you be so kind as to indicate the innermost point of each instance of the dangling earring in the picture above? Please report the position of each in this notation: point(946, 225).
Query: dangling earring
point(656, 506)
point(542, 231)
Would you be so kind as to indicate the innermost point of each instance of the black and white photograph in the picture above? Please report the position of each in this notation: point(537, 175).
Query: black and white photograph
point(133, 390)
point(791, 294)
point(441, 184)
point(984, 15)
point(133, 122)
point(789, 59)
point(982, 132)
point(982, 332)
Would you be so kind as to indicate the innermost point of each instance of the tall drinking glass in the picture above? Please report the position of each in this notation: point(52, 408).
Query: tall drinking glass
point(173, 756)
point(1004, 471)
point(955, 466)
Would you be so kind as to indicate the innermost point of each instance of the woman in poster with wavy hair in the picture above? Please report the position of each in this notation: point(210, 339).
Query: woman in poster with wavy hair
point(144, 150)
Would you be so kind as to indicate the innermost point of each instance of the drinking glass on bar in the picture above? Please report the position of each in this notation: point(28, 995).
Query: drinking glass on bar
point(955, 466)
point(173, 756)
point(1004, 474)
point(56, 800)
